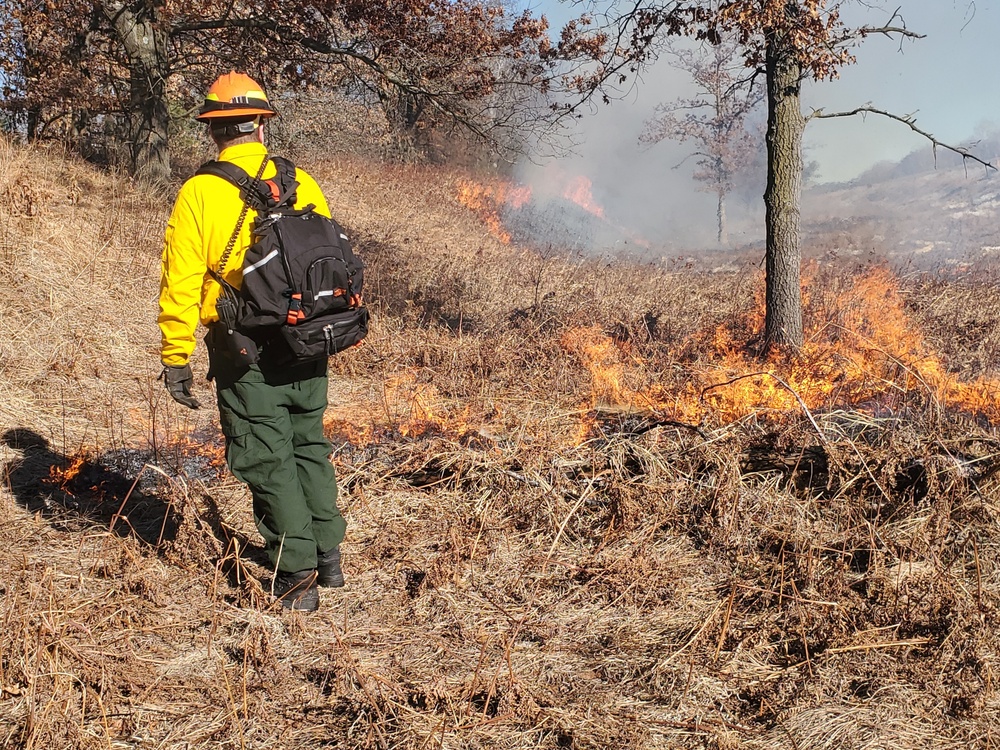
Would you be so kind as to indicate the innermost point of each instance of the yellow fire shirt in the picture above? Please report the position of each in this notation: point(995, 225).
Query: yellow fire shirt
point(201, 223)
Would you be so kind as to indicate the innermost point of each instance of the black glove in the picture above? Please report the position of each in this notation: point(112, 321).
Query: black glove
point(178, 381)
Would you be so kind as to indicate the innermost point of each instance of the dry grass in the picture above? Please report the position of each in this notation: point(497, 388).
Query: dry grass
point(532, 561)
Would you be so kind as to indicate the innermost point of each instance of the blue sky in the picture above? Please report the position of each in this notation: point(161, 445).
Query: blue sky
point(946, 79)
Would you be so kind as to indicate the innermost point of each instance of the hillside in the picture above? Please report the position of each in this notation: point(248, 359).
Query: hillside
point(927, 211)
point(581, 513)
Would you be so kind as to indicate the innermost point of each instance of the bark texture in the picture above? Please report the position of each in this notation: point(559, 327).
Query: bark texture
point(145, 44)
point(785, 125)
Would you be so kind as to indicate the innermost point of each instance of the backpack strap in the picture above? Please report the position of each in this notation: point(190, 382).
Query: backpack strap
point(257, 194)
point(286, 182)
point(247, 187)
point(279, 191)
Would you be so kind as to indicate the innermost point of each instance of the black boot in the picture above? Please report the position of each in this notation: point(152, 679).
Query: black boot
point(328, 568)
point(297, 590)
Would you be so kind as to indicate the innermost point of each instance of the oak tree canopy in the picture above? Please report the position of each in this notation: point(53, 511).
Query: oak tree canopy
point(76, 65)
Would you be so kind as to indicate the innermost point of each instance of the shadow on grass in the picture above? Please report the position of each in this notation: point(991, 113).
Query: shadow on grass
point(124, 492)
point(78, 493)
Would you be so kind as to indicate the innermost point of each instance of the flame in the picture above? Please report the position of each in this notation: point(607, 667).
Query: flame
point(407, 407)
point(62, 476)
point(210, 447)
point(426, 410)
point(487, 200)
point(349, 430)
point(617, 377)
point(861, 351)
point(579, 190)
point(605, 360)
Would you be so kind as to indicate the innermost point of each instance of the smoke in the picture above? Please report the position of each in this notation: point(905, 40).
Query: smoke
point(648, 191)
point(650, 201)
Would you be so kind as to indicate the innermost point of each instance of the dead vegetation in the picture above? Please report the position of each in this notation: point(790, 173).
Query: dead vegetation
point(580, 514)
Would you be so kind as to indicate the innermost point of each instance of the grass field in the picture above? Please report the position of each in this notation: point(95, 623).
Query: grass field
point(581, 513)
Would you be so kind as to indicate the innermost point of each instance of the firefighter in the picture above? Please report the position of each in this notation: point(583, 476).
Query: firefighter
point(271, 413)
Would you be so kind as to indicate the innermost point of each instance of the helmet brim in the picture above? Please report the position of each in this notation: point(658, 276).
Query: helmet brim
point(233, 114)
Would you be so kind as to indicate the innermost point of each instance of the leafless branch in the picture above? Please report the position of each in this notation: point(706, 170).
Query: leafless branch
point(970, 14)
point(889, 31)
point(910, 122)
point(314, 45)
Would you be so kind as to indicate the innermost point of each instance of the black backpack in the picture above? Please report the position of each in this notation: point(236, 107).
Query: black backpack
point(298, 275)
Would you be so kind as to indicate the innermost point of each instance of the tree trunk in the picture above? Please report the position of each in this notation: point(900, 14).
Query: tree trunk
point(34, 120)
point(33, 65)
point(145, 44)
point(721, 214)
point(785, 124)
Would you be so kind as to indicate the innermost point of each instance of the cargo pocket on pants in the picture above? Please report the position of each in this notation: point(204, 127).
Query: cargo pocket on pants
point(237, 432)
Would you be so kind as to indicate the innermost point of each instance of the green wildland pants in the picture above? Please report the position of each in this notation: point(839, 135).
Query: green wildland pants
point(273, 423)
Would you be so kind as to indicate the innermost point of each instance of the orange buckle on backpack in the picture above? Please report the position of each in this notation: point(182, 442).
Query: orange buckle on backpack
point(295, 313)
point(275, 190)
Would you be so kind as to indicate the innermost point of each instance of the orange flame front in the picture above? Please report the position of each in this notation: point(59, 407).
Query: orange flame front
point(487, 201)
point(610, 375)
point(861, 351)
point(62, 476)
point(580, 191)
point(408, 407)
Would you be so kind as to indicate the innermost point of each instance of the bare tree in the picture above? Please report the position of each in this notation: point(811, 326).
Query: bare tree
point(715, 118)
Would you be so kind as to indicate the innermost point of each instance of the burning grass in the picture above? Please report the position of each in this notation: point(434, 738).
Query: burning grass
point(582, 514)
